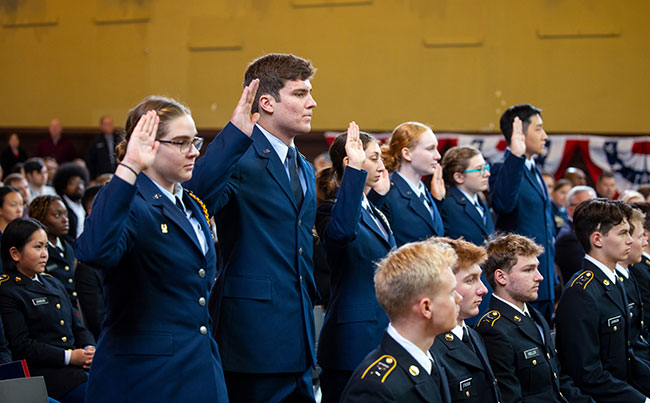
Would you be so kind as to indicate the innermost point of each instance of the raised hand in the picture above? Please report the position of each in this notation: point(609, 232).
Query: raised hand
point(241, 116)
point(438, 189)
point(383, 185)
point(518, 139)
point(142, 148)
point(354, 147)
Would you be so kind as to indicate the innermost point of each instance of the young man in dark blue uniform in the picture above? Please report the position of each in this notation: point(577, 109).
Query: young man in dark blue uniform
point(416, 287)
point(461, 351)
point(593, 314)
point(520, 346)
point(520, 197)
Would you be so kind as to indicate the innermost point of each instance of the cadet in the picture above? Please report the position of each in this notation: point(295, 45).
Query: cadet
point(462, 352)
point(593, 316)
point(641, 270)
point(521, 349)
point(416, 287)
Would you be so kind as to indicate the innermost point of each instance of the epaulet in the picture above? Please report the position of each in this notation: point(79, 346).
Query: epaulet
point(646, 260)
point(4, 278)
point(381, 368)
point(45, 274)
point(489, 318)
point(583, 279)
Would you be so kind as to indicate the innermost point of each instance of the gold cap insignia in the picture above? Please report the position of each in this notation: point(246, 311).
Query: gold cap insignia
point(517, 318)
point(449, 337)
point(413, 370)
point(18, 278)
point(156, 196)
point(606, 282)
point(163, 228)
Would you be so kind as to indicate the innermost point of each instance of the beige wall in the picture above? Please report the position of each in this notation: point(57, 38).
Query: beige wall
point(455, 64)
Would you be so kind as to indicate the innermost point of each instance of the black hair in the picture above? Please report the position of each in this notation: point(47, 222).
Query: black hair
point(16, 235)
point(33, 164)
point(89, 196)
point(66, 171)
point(523, 112)
point(596, 215)
point(4, 191)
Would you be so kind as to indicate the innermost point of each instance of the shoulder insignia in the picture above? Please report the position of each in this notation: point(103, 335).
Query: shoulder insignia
point(4, 278)
point(18, 279)
point(203, 207)
point(583, 279)
point(490, 318)
point(646, 260)
point(381, 368)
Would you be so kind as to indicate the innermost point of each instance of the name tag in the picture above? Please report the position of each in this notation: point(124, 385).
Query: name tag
point(630, 306)
point(40, 301)
point(614, 321)
point(533, 352)
point(464, 384)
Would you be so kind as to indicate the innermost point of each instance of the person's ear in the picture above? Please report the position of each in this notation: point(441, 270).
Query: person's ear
point(267, 103)
point(406, 154)
point(459, 178)
point(500, 277)
point(15, 254)
point(596, 239)
point(346, 160)
point(426, 308)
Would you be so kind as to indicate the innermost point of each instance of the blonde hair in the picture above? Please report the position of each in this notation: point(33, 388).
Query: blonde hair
point(409, 272)
point(406, 135)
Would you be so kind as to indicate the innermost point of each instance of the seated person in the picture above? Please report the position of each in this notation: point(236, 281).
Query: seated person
point(520, 345)
point(416, 287)
point(39, 321)
point(461, 352)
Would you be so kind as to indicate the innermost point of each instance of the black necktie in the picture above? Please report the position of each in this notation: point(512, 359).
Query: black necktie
point(467, 340)
point(479, 207)
point(427, 203)
point(296, 188)
point(179, 204)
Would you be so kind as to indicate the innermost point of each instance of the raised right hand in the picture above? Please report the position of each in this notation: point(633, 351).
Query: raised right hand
point(518, 139)
point(142, 148)
point(354, 147)
point(241, 116)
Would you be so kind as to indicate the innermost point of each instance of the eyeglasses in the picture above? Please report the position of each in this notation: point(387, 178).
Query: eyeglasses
point(184, 146)
point(482, 170)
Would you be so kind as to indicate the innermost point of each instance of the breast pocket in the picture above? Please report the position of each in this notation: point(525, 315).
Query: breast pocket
point(534, 371)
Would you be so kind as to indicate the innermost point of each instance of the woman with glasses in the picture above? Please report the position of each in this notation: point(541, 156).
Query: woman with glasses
point(463, 211)
point(151, 237)
point(409, 206)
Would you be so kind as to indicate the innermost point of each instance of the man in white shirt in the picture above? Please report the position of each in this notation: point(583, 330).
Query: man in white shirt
point(36, 175)
point(416, 288)
point(70, 183)
point(520, 346)
point(593, 315)
point(461, 351)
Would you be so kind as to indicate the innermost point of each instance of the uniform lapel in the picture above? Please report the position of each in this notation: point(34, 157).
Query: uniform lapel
point(33, 286)
point(457, 350)
point(610, 288)
point(367, 219)
point(525, 324)
point(414, 202)
point(274, 166)
point(469, 208)
point(534, 182)
point(310, 192)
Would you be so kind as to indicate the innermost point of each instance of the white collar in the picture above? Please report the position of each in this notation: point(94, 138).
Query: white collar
point(280, 148)
point(623, 270)
point(525, 311)
point(58, 244)
point(472, 199)
point(646, 255)
point(610, 274)
point(459, 331)
point(530, 162)
point(424, 359)
point(178, 192)
point(418, 188)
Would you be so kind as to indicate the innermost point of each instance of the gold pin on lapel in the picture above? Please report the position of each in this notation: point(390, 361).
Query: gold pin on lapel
point(606, 282)
point(266, 151)
point(163, 228)
point(517, 318)
point(156, 196)
point(415, 371)
point(449, 337)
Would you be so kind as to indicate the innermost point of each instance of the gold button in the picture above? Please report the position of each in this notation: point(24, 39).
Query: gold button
point(554, 375)
point(62, 322)
point(58, 306)
point(548, 356)
point(74, 293)
point(67, 268)
point(70, 280)
point(64, 339)
point(631, 314)
point(615, 328)
point(534, 362)
point(467, 393)
point(389, 360)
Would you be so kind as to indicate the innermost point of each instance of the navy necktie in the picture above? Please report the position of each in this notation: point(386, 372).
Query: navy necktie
point(292, 165)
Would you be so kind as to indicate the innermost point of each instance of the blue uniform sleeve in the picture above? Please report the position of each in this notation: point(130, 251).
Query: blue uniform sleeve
point(505, 181)
point(346, 213)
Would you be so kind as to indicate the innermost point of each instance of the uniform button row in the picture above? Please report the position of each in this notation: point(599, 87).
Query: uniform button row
point(67, 268)
point(201, 273)
point(203, 330)
point(202, 301)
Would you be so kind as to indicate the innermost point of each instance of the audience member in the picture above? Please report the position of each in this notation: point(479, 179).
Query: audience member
point(355, 236)
point(631, 196)
point(416, 288)
point(520, 345)
point(102, 179)
point(270, 202)
point(69, 183)
point(19, 182)
point(519, 196)
point(40, 322)
point(36, 175)
point(11, 207)
point(461, 352)
point(549, 180)
point(606, 186)
point(52, 166)
point(321, 162)
point(409, 206)
point(558, 194)
point(54, 145)
point(592, 317)
point(641, 270)
point(568, 251)
point(645, 192)
point(576, 176)
point(13, 154)
point(52, 213)
point(100, 158)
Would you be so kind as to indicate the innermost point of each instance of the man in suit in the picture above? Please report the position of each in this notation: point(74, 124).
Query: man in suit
point(521, 348)
point(101, 151)
point(269, 206)
point(415, 286)
point(568, 251)
point(593, 315)
point(461, 352)
point(606, 186)
point(463, 212)
point(520, 197)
